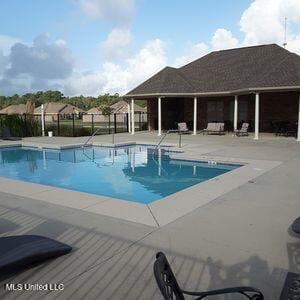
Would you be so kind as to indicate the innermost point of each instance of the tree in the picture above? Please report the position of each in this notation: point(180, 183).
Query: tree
point(106, 110)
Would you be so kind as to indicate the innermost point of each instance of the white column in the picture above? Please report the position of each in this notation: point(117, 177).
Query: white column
point(256, 116)
point(43, 119)
point(132, 116)
point(235, 113)
point(195, 117)
point(129, 120)
point(298, 134)
point(159, 116)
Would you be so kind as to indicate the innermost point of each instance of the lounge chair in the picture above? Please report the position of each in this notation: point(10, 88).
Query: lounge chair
point(19, 252)
point(214, 128)
point(6, 135)
point(170, 289)
point(243, 131)
point(182, 128)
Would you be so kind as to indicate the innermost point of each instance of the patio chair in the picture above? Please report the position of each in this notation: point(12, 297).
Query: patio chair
point(296, 226)
point(182, 127)
point(291, 130)
point(243, 131)
point(6, 135)
point(214, 128)
point(291, 287)
point(170, 289)
point(19, 252)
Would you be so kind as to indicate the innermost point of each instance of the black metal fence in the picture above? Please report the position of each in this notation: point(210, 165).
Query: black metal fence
point(70, 124)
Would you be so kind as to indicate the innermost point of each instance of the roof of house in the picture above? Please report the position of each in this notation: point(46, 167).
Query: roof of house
point(94, 110)
point(249, 68)
point(122, 107)
point(71, 109)
point(57, 107)
point(14, 109)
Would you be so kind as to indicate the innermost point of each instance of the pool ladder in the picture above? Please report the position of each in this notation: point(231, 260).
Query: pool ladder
point(94, 133)
point(165, 135)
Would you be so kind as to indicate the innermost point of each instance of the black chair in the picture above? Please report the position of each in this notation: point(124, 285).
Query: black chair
point(22, 251)
point(170, 289)
point(296, 226)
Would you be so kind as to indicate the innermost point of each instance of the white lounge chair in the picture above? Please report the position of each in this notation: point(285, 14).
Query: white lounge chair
point(182, 127)
point(243, 131)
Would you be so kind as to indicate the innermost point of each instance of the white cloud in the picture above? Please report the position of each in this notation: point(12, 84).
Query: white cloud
point(112, 78)
point(61, 42)
point(191, 53)
point(263, 22)
point(223, 39)
point(117, 43)
point(38, 66)
point(6, 42)
point(40, 60)
point(44, 65)
point(119, 11)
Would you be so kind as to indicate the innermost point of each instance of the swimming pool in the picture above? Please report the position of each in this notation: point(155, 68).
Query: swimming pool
point(135, 173)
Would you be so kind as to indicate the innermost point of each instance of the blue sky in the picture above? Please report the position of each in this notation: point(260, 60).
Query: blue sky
point(92, 47)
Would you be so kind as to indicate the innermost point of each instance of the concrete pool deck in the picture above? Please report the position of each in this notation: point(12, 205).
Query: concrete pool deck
point(241, 237)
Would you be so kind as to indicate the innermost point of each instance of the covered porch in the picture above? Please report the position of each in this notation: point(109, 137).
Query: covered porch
point(262, 110)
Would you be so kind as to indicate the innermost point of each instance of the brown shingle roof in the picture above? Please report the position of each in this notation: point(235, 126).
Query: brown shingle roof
point(94, 110)
point(14, 109)
point(263, 66)
point(58, 108)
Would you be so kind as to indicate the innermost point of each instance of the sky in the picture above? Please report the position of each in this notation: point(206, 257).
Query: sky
point(92, 47)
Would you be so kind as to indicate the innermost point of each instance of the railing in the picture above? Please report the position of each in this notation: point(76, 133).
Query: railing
point(72, 125)
point(165, 135)
point(94, 133)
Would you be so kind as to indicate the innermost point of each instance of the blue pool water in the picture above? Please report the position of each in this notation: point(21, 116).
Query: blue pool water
point(132, 173)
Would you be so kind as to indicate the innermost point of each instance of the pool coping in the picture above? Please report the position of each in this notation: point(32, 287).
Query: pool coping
point(155, 214)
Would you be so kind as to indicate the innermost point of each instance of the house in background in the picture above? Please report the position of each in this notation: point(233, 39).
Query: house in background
point(94, 115)
point(120, 109)
point(258, 84)
point(53, 109)
point(15, 109)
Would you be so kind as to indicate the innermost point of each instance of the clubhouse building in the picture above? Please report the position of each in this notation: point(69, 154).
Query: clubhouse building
point(259, 85)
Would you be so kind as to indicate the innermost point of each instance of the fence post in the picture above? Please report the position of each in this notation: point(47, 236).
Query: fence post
point(115, 122)
point(179, 143)
point(140, 120)
point(25, 121)
point(109, 124)
point(127, 118)
point(92, 122)
point(58, 127)
point(1, 125)
point(73, 124)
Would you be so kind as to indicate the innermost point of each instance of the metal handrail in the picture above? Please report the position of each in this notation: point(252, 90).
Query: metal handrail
point(164, 136)
point(94, 133)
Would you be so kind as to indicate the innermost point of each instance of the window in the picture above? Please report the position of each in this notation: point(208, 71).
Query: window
point(215, 111)
point(243, 111)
